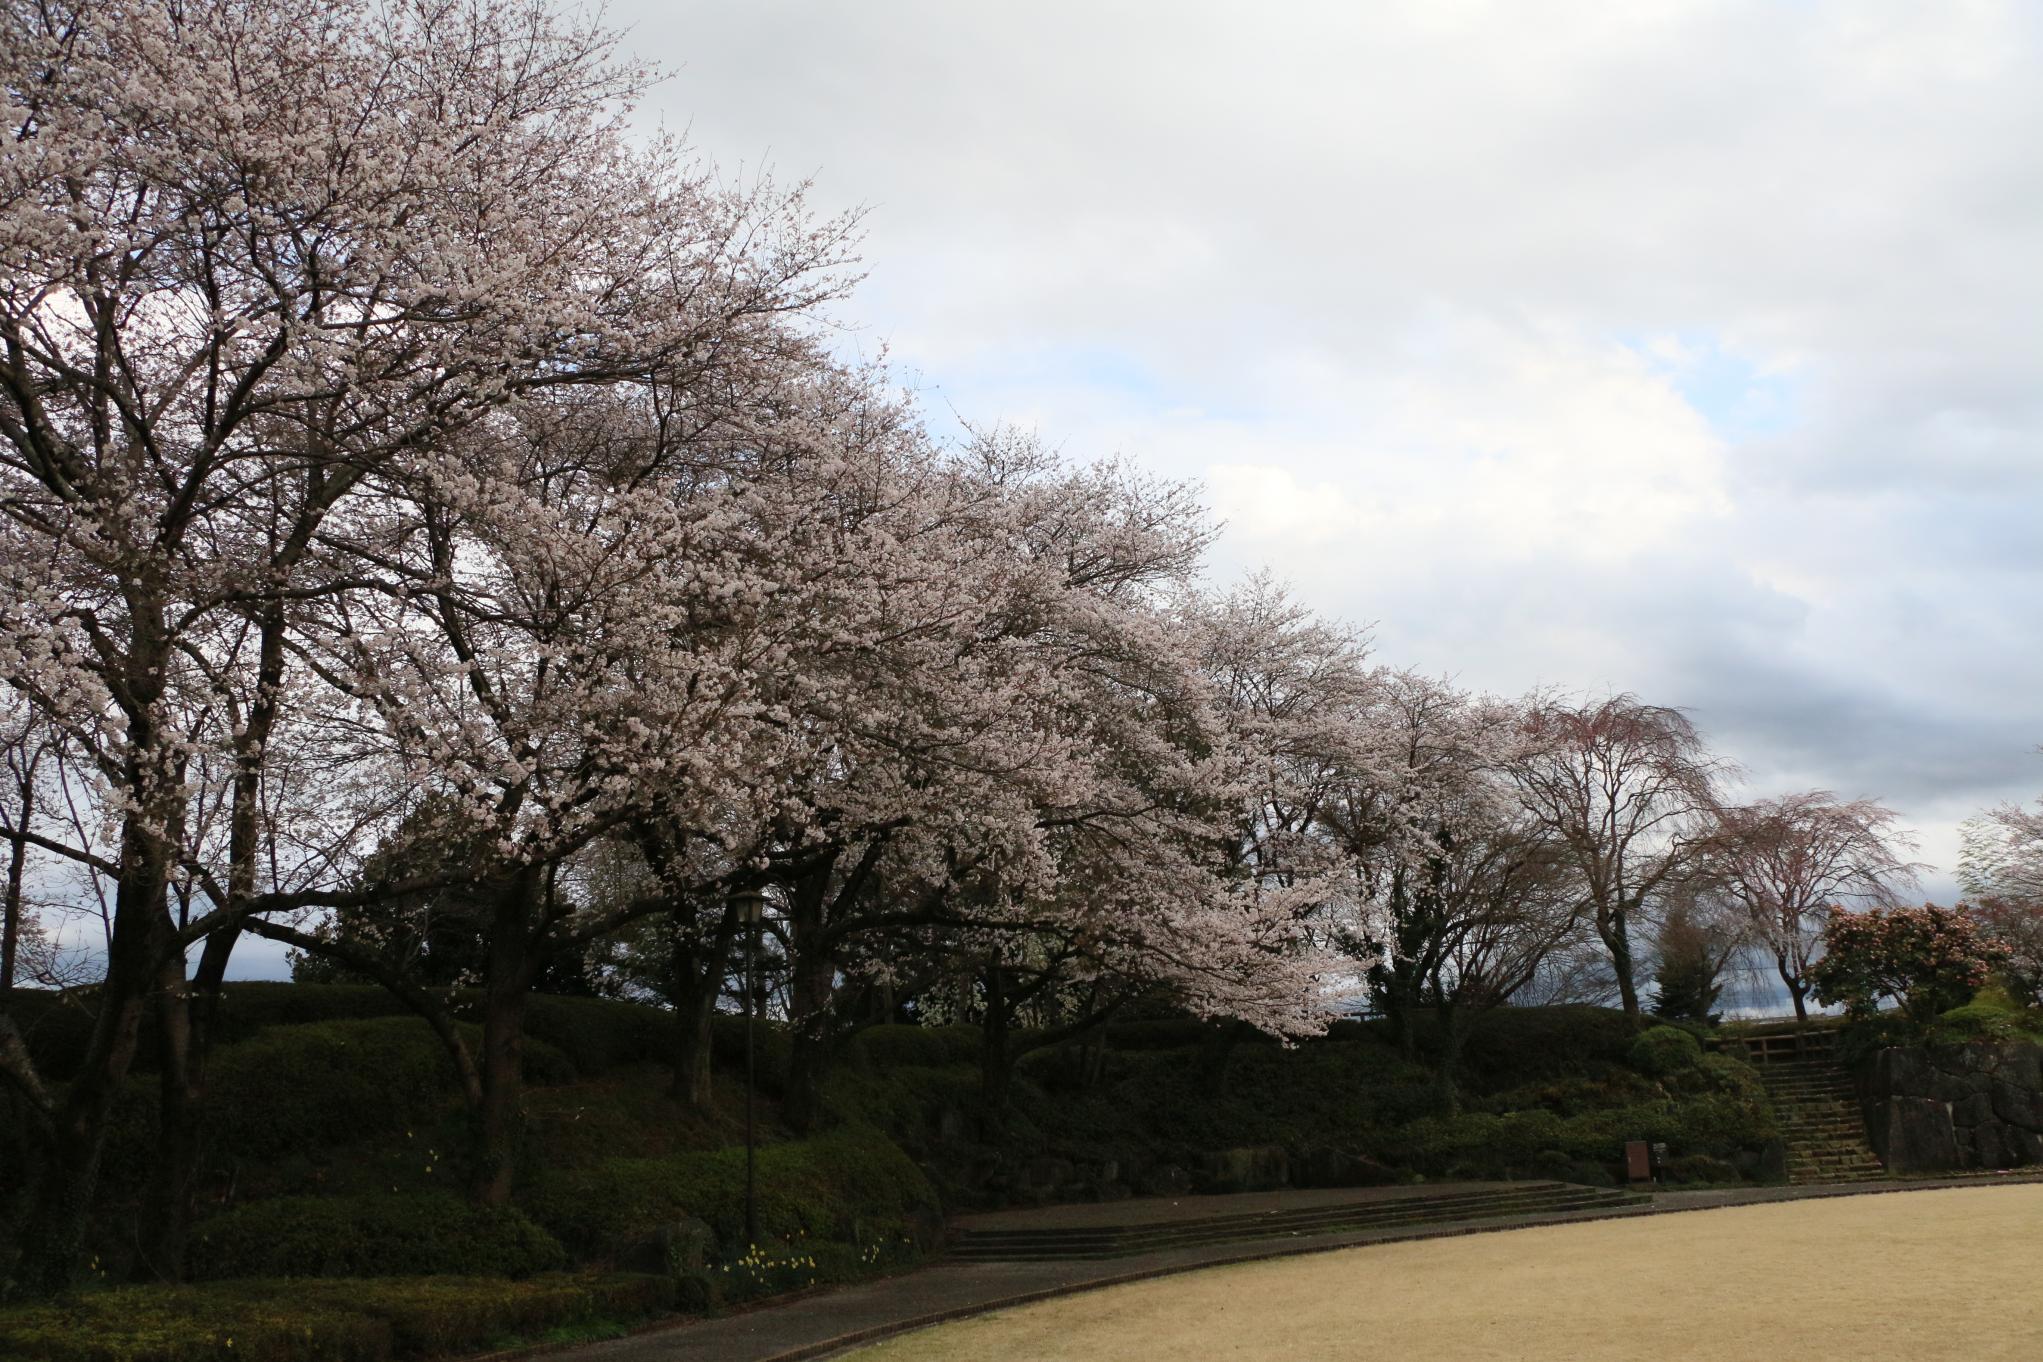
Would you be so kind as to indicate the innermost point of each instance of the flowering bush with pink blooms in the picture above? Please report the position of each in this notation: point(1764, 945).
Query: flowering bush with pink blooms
point(1927, 960)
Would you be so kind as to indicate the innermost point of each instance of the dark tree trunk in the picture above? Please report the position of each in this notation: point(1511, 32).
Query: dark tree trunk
point(54, 1236)
point(1616, 933)
point(1453, 1039)
point(699, 968)
point(1218, 1053)
point(17, 864)
point(996, 1054)
point(184, 1013)
point(1095, 1066)
point(508, 978)
point(697, 984)
point(812, 981)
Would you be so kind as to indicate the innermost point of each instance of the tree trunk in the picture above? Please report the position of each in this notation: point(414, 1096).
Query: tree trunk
point(996, 1055)
point(811, 983)
point(1453, 1037)
point(1797, 988)
point(694, 1017)
point(808, 1064)
point(1616, 934)
point(1094, 1067)
point(54, 1236)
point(1218, 1053)
point(508, 978)
point(184, 1013)
point(10, 924)
point(698, 980)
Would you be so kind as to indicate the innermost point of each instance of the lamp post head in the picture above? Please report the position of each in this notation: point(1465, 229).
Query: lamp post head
point(751, 905)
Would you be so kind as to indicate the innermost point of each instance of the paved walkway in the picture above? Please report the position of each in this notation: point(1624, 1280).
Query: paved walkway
point(834, 1321)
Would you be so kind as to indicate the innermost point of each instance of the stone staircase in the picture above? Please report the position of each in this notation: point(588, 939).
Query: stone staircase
point(1074, 1243)
point(1818, 1108)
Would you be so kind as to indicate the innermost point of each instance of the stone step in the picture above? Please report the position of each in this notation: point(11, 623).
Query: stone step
point(1302, 1218)
point(1816, 1102)
point(1443, 1200)
point(1093, 1242)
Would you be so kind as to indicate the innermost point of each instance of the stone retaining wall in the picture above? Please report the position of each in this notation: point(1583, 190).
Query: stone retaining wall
point(1934, 1109)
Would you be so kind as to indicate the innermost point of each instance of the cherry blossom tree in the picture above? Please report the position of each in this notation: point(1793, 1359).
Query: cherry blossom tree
point(1421, 790)
point(1046, 762)
point(252, 256)
point(1468, 896)
point(1300, 699)
point(1626, 789)
point(1788, 860)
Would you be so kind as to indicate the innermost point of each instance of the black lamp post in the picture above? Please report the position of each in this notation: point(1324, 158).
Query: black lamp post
point(751, 906)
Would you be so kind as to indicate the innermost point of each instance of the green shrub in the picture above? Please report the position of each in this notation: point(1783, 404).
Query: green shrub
point(1663, 1050)
point(1513, 1045)
point(249, 1008)
point(360, 1320)
point(56, 1027)
point(378, 1235)
point(1700, 1168)
point(908, 1101)
point(598, 1035)
point(188, 1324)
point(852, 1185)
point(1991, 1016)
point(317, 1084)
point(1491, 1144)
point(1160, 1033)
point(430, 1316)
point(894, 1047)
point(771, 1046)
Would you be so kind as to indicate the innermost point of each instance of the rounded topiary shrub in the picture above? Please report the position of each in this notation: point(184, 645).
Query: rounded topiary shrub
point(1663, 1050)
point(384, 1235)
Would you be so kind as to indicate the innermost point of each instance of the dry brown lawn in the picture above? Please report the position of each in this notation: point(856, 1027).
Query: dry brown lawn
point(1915, 1276)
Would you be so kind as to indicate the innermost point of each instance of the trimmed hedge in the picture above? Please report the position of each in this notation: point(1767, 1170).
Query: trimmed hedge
point(894, 1047)
point(394, 1234)
point(334, 1083)
point(598, 1035)
point(851, 1185)
point(58, 1028)
point(326, 1083)
point(188, 1324)
point(429, 1316)
point(1519, 1044)
point(369, 1320)
point(1663, 1050)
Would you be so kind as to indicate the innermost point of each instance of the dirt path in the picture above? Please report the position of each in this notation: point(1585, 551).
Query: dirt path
point(1930, 1275)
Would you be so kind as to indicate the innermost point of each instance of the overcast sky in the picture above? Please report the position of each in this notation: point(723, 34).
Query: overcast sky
point(1687, 349)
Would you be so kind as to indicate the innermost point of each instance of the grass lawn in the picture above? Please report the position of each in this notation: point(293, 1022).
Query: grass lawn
point(1921, 1275)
